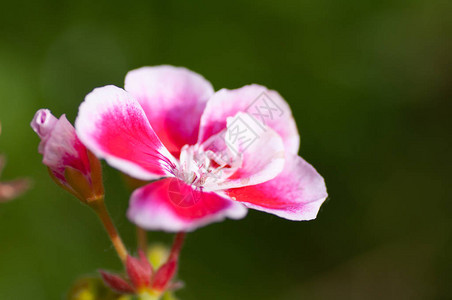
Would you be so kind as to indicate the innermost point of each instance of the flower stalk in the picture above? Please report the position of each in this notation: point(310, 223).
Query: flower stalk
point(142, 239)
point(177, 246)
point(100, 209)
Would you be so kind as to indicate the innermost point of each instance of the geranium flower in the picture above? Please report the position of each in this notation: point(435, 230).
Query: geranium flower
point(69, 163)
point(168, 125)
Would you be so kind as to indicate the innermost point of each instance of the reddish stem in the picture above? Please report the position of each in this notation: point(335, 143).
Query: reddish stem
point(101, 210)
point(142, 239)
point(177, 246)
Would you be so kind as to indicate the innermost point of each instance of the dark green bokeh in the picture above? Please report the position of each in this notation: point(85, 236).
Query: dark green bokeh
point(369, 85)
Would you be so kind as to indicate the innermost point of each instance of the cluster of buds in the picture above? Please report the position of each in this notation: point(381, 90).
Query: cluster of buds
point(144, 279)
point(71, 165)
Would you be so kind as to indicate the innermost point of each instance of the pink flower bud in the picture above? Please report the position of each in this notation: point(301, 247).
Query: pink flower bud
point(70, 164)
point(139, 271)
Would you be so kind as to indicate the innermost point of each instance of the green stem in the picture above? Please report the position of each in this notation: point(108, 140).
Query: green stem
point(101, 210)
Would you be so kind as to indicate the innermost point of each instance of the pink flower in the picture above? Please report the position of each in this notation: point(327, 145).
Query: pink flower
point(70, 164)
point(215, 154)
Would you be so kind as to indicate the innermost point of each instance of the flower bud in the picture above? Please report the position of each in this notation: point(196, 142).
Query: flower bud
point(70, 164)
point(139, 270)
point(141, 279)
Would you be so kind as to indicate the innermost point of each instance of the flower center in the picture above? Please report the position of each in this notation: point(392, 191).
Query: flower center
point(200, 167)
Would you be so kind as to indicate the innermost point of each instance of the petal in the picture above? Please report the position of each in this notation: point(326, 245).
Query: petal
point(59, 145)
point(295, 194)
point(171, 205)
point(112, 124)
point(261, 152)
point(116, 283)
point(173, 99)
point(43, 124)
point(265, 105)
point(139, 271)
point(164, 275)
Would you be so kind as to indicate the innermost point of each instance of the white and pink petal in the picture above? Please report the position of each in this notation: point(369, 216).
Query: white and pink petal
point(295, 194)
point(173, 99)
point(172, 205)
point(267, 106)
point(112, 124)
point(259, 152)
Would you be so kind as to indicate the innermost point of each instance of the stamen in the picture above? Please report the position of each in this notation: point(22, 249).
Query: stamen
point(198, 166)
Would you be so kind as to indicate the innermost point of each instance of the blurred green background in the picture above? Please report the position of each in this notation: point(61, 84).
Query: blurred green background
point(369, 85)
